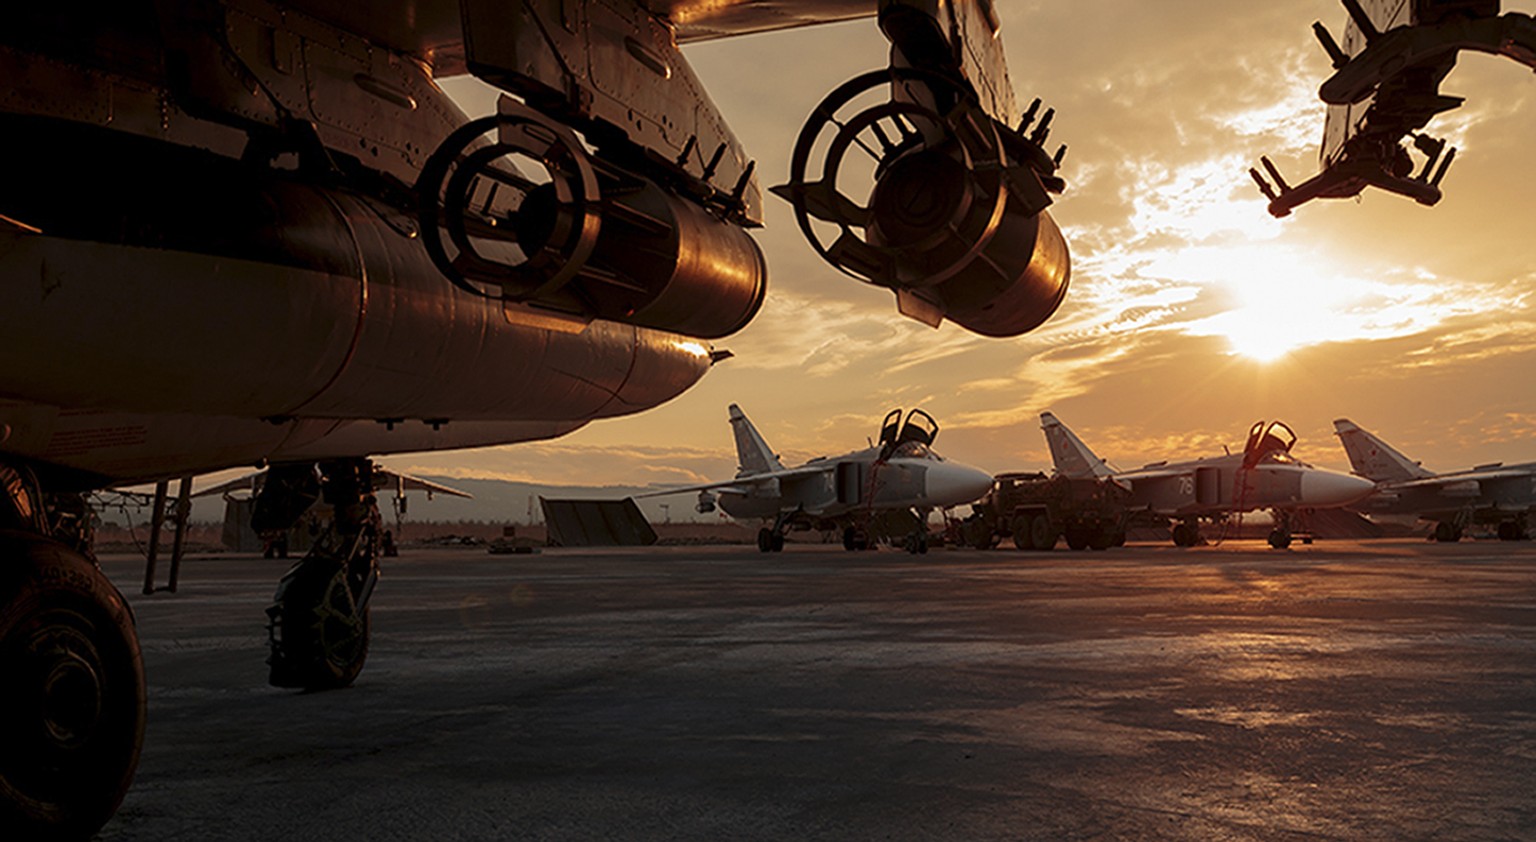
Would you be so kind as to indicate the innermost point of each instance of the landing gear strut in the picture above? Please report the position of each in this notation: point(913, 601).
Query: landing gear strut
point(1280, 536)
point(318, 622)
point(72, 707)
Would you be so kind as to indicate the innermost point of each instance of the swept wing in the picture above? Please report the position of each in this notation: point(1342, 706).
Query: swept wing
point(745, 485)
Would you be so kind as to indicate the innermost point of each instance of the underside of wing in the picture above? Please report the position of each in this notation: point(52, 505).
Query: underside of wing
point(702, 20)
point(431, 29)
point(1446, 480)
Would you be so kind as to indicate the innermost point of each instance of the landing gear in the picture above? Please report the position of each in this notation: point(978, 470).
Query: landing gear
point(1512, 530)
point(1186, 534)
point(318, 625)
point(770, 540)
point(917, 543)
point(1447, 532)
point(855, 539)
point(1280, 538)
point(72, 707)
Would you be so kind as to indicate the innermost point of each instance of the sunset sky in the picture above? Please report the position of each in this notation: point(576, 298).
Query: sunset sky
point(1191, 314)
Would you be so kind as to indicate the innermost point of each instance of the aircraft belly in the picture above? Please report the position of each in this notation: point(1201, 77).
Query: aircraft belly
point(128, 448)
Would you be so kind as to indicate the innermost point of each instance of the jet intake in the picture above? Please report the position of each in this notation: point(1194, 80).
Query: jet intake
point(955, 220)
point(533, 218)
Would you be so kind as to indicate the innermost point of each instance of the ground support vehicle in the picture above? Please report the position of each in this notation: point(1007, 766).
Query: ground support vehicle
point(1036, 511)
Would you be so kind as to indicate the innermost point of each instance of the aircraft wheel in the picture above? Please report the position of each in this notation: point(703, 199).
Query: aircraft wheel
point(72, 709)
point(324, 639)
point(1185, 535)
point(765, 540)
point(1279, 539)
point(1043, 534)
point(1509, 531)
point(1447, 533)
point(850, 539)
point(1119, 538)
point(776, 542)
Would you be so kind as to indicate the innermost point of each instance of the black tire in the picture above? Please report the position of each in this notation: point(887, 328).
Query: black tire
point(776, 542)
point(72, 708)
point(1077, 539)
point(850, 539)
point(1042, 533)
point(1101, 539)
point(324, 645)
point(764, 540)
point(1185, 535)
point(1021, 535)
point(1447, 533)
point(1279, 539)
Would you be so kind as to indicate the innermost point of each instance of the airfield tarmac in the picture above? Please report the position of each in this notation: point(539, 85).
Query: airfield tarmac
point(1370, 690)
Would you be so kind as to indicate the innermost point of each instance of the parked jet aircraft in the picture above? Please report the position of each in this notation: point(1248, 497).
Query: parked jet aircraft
point(1386, 88)
point(256, 231)
point(1491, 494)
point(1264, 476)
point(898, 474)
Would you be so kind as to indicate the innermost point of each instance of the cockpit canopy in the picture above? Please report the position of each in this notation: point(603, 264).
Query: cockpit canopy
point(910, 439)
point(1268, 443)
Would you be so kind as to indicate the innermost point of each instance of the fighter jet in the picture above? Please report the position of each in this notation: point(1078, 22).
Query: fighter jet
point(258, 232)
point(1263, 476)
point(1487, 494)
point(1386, 89)
point(860, 493)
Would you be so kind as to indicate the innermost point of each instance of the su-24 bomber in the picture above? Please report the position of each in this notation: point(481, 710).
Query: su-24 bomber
point(1499, 495)
point(1264, 476)
point(1386, 89)
point(256, 232)
point(886, 490)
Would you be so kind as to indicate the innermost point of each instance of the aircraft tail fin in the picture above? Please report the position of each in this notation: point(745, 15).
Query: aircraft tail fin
point(753, 455)
point(1071, 457)
point(1374, 459)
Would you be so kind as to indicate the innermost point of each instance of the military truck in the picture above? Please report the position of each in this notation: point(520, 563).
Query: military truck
point(1036, 511)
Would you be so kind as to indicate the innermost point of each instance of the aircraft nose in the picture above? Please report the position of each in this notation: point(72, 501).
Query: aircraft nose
point(1328, 488)
point(950, 484)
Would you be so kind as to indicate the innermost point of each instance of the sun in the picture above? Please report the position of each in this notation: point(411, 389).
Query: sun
point(1269, 299)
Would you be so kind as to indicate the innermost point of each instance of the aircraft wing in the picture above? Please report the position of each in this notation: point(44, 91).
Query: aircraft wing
point(1154, 474)
point(382, 479)
point(406, 482)
point(1479, 477)
point(743, 485)
point(245, 483)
